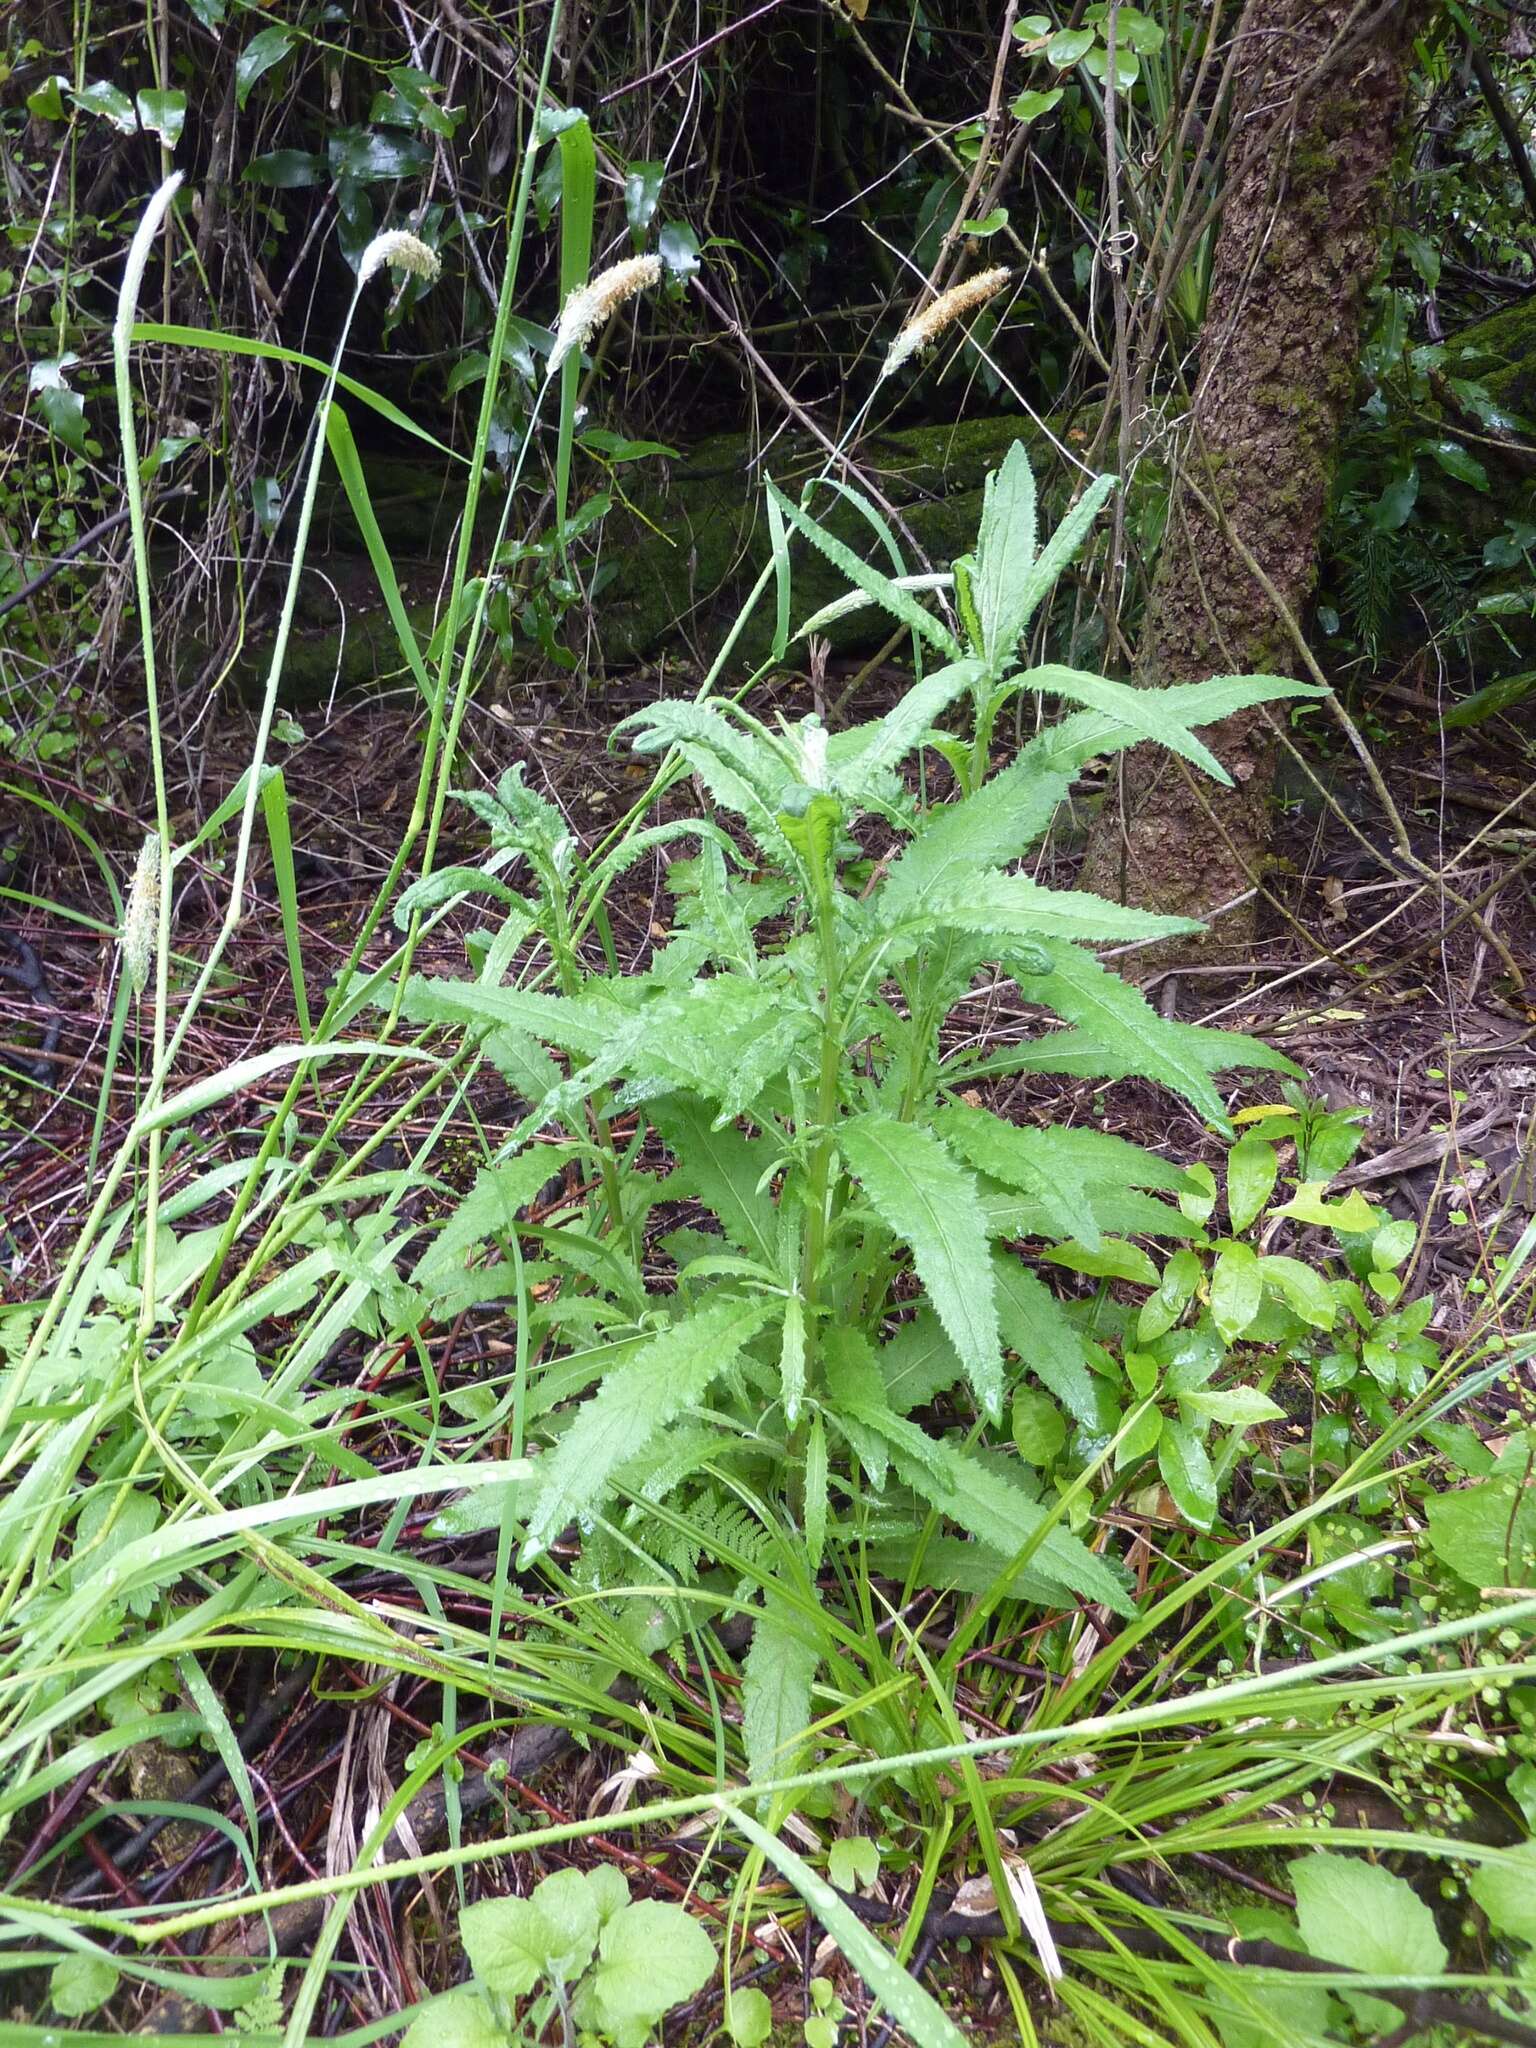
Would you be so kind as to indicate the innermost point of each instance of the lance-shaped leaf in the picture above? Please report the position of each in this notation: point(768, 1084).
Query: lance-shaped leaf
point(1167, 715)
point(920, 1192)
point(1012, 906)
point(1005, 554)
point(776, 1690)
point(883, 589)
point(631, 1407)
point(1120, 1033)
point(856, 758)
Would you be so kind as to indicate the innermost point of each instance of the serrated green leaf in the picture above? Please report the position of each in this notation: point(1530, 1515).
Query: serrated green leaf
point(1120, 1033)
point(899, 603)
point(875, 748)
point(816, 1492)
point(792, 1359)
point(776, 1690)
point(488, 1212)
point(724, 1169)
point(1014, 906)
point(1060, 549)
point(918, 1363)
point(921, 1194)
point(998, 1513)
point(1035, 1327)
point(632, 1406)
point(1005, 552)
point(1004, 818)
point(1005, 1153)
point(573, 1026)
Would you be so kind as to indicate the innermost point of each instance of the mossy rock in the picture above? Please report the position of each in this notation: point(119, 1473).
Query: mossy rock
point(676, 561)
point(1500, 352)
point(416, 500)
point(687, 550)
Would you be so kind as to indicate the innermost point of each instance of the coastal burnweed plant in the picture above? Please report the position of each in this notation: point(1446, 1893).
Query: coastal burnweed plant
point(841, 1319)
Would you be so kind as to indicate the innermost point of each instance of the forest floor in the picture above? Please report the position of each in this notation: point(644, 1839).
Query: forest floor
point(1390, 1000)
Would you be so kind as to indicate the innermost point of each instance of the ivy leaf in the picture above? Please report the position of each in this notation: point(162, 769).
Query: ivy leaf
point(931, 1203)
point(1363, 1917)
point(111, 103)
point(46, 101)
point(163, 114)
point(678, 247)
point(1030, 106)
point(1069, 47)
point(265, 49)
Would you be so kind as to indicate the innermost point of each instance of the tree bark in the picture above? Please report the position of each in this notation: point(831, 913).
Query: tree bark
point(1317, 104)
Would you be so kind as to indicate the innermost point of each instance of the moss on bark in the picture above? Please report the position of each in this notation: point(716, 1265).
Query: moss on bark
point(1316, 113)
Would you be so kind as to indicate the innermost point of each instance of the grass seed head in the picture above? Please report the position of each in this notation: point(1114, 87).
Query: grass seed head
point(924, 328)
point(142, 915)
point(590, 305)
point(398, 250)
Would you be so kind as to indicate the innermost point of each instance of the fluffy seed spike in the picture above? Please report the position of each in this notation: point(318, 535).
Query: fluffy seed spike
point(590, 305)
point(398, 250)
point(924, 329)
point(141, 917)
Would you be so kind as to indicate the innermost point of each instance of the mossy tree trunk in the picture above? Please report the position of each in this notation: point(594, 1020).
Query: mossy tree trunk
point(1317, 108)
